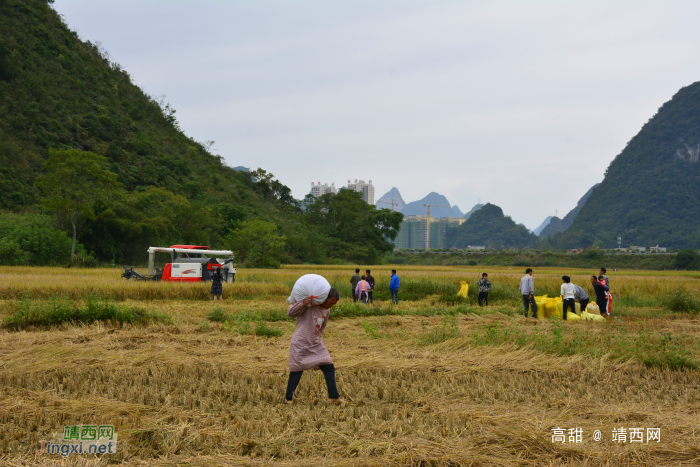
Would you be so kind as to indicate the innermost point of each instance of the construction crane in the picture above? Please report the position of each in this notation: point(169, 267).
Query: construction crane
point(392, 204)
point(426, 231)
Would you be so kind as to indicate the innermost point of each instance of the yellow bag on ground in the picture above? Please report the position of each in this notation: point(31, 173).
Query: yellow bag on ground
point(464, 291)
point(554, 308)
point(591, 317)
point(578, 308)
point(572, 317)
point(592, 308)
point(540, 301)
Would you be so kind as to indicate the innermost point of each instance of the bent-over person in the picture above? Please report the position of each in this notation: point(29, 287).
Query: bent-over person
point(581, 297)
point(307, 350)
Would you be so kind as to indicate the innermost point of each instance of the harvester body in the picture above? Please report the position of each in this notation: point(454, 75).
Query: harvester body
point(192, 263)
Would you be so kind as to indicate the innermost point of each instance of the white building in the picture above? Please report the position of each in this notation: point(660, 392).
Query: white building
point(318, 190)
point(657, 249)
point(366, 189)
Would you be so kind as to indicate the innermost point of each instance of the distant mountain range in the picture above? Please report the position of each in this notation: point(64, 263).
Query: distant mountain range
point(650, 194)
point(417, 208)
point(542, 225)
point(556, 224)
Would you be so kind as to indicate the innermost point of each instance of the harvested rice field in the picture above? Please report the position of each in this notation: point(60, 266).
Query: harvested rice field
point(435, 380)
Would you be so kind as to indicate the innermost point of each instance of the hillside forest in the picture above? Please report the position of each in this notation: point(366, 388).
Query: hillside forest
point(65, 104)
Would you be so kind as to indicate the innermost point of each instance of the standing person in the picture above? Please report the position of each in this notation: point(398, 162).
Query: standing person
point(370, 281)
point(362, 290)
point(217, 289)
point(527, 289)
point(307, 350)
point(581, 296)
point(603, 272)
point(354, 280)
point(484, 289)
point(600, 294)
point(568, 292)
point(394, 287)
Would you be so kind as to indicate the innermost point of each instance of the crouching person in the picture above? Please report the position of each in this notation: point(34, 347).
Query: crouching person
point(307, 350)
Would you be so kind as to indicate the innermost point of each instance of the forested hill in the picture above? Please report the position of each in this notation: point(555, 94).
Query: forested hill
point(651, 191)
point(490, 228)
point(58, 93)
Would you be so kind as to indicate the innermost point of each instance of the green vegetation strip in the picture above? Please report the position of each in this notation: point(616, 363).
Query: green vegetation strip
point(59, 311)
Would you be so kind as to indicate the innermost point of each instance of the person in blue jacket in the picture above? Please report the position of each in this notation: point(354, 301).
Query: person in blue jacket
point(394, 287)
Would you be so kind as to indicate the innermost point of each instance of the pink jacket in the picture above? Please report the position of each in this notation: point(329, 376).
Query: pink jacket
point(358, 289)
point(307, 350)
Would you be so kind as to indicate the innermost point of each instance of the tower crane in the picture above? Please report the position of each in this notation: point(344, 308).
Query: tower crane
point(426, 231)
point(392, 204)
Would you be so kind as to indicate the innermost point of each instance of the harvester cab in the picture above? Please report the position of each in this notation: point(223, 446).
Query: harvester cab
point(192, 263)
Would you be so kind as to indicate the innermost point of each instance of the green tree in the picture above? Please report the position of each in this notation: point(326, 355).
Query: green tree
point(353, 229)
point(686, 259)
point(257, 242)
point(74, 181)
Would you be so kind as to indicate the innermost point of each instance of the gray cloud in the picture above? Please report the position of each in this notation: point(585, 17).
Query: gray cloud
point(523, 104)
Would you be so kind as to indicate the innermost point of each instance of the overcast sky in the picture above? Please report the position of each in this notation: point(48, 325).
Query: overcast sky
point(521, 104)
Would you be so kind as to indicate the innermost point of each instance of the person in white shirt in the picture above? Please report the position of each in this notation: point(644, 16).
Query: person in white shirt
point(568, 291)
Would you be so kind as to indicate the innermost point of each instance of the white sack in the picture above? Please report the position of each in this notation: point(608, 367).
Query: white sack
point(310, 285)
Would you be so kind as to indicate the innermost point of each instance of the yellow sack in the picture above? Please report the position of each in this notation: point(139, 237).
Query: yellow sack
point(464, 291)
point(572, 317)
point(578, 308)
point(590, 317)
point(540, 302)
point(593, 309)
point(554, 308)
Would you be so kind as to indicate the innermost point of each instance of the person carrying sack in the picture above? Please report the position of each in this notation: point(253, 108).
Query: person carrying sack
point(311, 300)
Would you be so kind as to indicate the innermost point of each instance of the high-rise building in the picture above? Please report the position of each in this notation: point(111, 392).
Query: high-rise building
point(366, 189)
point(414, 233)
point(318, 190)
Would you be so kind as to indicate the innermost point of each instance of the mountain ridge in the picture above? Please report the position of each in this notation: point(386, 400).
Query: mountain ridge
point(544, 224)
point(416, 208)
point(651, 191)
point(557, 225)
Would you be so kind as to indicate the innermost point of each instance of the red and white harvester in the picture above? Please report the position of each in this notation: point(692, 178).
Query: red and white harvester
point(191, 263)
point(188, 263)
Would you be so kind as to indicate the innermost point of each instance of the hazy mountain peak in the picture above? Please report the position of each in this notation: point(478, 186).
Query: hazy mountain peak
point(388, 197)
point(542, 225)
point(417, 208)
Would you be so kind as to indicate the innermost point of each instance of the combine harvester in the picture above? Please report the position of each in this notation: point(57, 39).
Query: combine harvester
point(188, 263)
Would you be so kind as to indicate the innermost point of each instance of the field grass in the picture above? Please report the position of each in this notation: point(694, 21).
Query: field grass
point(430, 381)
